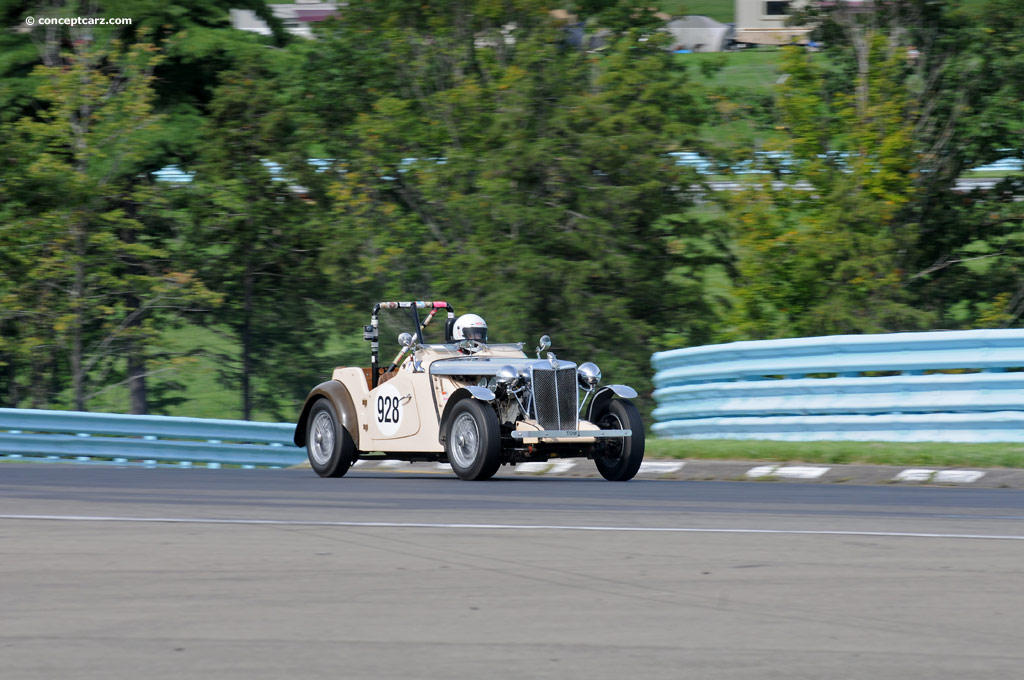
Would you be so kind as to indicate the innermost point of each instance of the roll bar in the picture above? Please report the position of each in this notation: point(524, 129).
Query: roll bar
point(372, 334)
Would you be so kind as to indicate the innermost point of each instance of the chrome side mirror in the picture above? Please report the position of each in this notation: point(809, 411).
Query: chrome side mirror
point(545, 342)
point(405, 339)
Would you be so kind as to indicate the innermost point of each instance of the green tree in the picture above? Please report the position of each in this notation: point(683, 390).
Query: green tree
point(196, 42)
point(969, 267)
point(258, 238)
point(863, 231)
point(820, 247)
point(84, 278)
point(495, 165)
point(195, 38)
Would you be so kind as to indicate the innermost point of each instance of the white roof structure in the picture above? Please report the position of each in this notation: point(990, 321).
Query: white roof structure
point(297, 18)
point(699, 34)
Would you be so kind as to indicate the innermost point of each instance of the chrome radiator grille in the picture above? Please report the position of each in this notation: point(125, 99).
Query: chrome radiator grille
point(555, 398)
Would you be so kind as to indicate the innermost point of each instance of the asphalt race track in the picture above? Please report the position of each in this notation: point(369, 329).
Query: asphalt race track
point(118, 573)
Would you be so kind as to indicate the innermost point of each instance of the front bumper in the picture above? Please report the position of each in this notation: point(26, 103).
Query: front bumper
point(568, 434)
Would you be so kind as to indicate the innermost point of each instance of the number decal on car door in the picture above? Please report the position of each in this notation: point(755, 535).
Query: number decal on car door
point(387, 410)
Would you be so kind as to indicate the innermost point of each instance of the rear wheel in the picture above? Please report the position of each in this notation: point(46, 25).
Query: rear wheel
point(473, 441)
point(329, 445)
point(618, 459)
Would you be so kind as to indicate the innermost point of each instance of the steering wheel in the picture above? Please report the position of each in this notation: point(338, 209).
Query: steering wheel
point(471, 346)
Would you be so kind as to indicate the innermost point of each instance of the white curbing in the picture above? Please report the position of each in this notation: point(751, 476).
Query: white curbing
point(697, 470)
point(958, 476)
point(941, 476)
point(788, 471)
point(914, 475)
point(554, 467)
point(666, 467)
point(655, 467)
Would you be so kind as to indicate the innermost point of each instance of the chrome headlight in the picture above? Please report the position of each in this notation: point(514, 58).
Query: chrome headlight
point(507, 375)
point(589, 374)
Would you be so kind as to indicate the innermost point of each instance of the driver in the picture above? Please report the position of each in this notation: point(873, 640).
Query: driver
point(470, 327)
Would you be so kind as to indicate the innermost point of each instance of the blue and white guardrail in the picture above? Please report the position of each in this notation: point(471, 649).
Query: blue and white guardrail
point(149, 440)
point(949, 386)
point(945, 386)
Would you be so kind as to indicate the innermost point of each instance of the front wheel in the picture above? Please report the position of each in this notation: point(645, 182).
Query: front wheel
point(618, 460)
point(473, 440)
point(329, 445)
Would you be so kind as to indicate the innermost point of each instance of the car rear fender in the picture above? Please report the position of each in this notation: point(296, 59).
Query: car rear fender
point(336, 393)
point(471, 392)
point(605, 394)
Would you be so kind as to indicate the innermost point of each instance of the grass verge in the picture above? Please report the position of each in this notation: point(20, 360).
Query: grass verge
point(720, 10)
point(929, 454)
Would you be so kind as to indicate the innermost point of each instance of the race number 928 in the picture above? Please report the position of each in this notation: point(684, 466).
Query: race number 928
point(387, 410)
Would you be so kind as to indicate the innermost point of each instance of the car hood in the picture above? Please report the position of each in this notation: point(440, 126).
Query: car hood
point(488, 366)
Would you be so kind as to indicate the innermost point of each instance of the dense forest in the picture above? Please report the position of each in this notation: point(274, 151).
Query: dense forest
point(476, 151)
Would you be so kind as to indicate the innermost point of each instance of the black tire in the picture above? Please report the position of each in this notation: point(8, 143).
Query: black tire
point(618, 460)
point(473, 440)
point(329, 446)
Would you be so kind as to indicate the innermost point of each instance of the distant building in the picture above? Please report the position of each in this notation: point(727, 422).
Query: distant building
point(297, 18)
point(763, 22)
point(699, 34)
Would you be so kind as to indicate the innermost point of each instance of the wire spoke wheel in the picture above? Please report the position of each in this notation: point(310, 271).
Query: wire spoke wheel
point(612, 448)
point(465, 440)
point(330, 447)
point(473, 440)
point(321, 444)
point(618, 459)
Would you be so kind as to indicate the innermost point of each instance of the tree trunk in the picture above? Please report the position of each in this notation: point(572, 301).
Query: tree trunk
point(37, 383)
point(10, 400)
point(137, 379)
point(136, 360)
point(78, 316)
point(246, 345)
point(12, 384)
point(860, 39)
point(79, 129)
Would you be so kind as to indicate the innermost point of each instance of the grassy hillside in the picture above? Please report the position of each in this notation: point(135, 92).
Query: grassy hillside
point(186, 383)
point(196, 354)
point(724, 10)
point(741, 85)
point(754, 70)
point(720, 10)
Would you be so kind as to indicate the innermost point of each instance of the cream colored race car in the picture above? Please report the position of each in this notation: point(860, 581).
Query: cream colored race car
point(477, 406)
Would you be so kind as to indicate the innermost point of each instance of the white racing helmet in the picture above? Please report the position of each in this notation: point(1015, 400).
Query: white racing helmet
point(470, 327)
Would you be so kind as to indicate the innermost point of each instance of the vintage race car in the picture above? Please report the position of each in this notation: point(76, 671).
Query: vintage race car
point(477, 406)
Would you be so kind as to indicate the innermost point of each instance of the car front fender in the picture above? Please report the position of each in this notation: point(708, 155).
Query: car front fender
point(470, 392)
point(605, 394)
